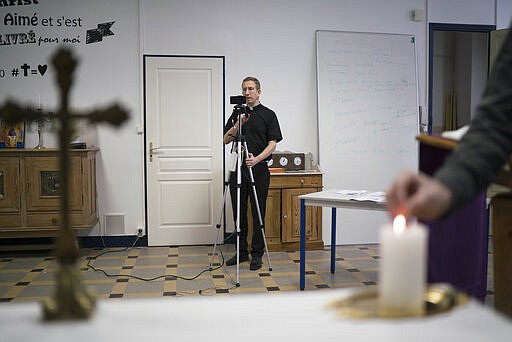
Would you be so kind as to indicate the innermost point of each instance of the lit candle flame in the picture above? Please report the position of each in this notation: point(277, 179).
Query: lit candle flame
point(399, 224)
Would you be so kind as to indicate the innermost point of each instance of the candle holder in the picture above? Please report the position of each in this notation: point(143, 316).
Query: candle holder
point(40, 124)
point(438, 298)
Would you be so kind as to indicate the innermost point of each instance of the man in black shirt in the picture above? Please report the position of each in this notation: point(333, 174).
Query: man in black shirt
point(261, 131)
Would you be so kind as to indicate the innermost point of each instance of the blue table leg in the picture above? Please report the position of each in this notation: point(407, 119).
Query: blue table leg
point(333, 240)
point(302, 263)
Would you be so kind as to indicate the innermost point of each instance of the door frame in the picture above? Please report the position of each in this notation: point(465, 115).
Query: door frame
point(432, 27)
point(145, 142)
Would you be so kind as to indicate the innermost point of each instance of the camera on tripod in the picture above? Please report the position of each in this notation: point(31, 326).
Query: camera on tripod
point(239, 102)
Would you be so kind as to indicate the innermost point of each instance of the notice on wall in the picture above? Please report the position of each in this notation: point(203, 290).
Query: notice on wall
point(38, 24)
point(103, 37)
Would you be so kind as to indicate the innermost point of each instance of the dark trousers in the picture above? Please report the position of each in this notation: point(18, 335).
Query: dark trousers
point(261, 182)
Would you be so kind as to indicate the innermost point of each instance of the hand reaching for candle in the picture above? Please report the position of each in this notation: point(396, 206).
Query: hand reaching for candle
point(416, 194)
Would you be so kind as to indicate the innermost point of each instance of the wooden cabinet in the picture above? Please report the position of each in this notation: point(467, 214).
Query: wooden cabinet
point(30, 191)
point(282, 217)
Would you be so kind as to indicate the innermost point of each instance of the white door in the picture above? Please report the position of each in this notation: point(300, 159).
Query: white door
point(184, 125)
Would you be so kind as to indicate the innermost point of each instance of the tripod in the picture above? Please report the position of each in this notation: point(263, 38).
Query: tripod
point(238, 143)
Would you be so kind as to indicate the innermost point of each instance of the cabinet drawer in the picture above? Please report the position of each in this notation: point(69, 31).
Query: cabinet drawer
point(44, 220)
point(10, 220)
point(295, 181)
point(51, 219)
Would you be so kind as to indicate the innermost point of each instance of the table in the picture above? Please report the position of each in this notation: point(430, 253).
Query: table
point(453, 257)
point(289, 316)
point(333, 199)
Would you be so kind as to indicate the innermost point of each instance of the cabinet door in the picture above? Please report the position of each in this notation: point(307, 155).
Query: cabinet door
point(9, 185)
point(272, 218)
point(43, 188)
point(291, 216)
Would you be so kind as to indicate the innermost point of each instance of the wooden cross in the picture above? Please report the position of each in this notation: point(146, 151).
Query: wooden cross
point(71, 299)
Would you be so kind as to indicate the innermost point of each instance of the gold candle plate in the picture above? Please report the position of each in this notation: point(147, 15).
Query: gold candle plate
point(438, 298)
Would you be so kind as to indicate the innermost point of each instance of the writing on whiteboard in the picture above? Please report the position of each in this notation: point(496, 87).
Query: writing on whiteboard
point(367, 107)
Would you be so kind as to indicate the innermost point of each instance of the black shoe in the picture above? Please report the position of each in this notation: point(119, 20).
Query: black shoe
point(255, 263)
point(232, 261)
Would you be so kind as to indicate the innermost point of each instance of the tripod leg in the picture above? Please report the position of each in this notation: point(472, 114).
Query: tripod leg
point(266, 248)
point(238, 203)
point(215, 247)
point(219, 224)
point(238, 148)
point(260, 219)
point(261, 222)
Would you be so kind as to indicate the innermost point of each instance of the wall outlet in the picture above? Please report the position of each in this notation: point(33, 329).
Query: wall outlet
point(139, 232)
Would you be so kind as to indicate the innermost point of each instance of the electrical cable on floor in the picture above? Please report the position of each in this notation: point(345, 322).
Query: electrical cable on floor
point(157, 277)
point(233, 283)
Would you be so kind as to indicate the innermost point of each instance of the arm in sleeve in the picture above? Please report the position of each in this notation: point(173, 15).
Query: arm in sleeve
point(487, 145)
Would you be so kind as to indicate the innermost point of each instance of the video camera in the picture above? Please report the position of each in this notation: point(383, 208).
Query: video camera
point(240, 108)
point(237, 100)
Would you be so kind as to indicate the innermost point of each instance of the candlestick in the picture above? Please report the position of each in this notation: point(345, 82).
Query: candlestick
point(402, 269)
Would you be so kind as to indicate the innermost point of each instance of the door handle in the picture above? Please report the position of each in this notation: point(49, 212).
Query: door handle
point(152, 150)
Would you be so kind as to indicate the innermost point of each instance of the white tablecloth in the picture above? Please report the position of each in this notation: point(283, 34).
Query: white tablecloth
point(297, 316)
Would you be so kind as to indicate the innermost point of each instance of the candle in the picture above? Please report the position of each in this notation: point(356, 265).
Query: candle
point(402, 269)
point(39, 102)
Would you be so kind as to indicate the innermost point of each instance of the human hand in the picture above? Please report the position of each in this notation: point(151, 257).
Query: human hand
point(416, 194)
point(245, 117)
point(251, 160)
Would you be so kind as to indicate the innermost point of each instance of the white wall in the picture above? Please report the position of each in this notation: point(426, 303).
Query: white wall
point(271, 39)
point(503, 13)
point(108, 71)
point(274, 40)
point(476, 12)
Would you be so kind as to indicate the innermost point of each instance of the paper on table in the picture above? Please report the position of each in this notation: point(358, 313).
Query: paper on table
point(351, 192)
point(364, 195)
point(376, 196)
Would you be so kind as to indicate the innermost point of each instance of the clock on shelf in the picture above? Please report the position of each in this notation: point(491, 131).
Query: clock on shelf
point(283, 161)
point(290, 161)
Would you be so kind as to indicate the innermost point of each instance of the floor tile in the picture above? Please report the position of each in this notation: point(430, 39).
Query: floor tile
point(185, 270)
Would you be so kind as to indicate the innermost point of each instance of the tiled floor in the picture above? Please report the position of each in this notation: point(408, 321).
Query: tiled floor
point(180, 271)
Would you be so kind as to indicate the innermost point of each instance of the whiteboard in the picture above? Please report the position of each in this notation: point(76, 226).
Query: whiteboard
point(367, 117)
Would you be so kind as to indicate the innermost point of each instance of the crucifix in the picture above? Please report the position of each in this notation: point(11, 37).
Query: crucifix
point(71, 300)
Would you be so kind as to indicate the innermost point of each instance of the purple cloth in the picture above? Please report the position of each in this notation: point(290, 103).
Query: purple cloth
point(457, 252)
